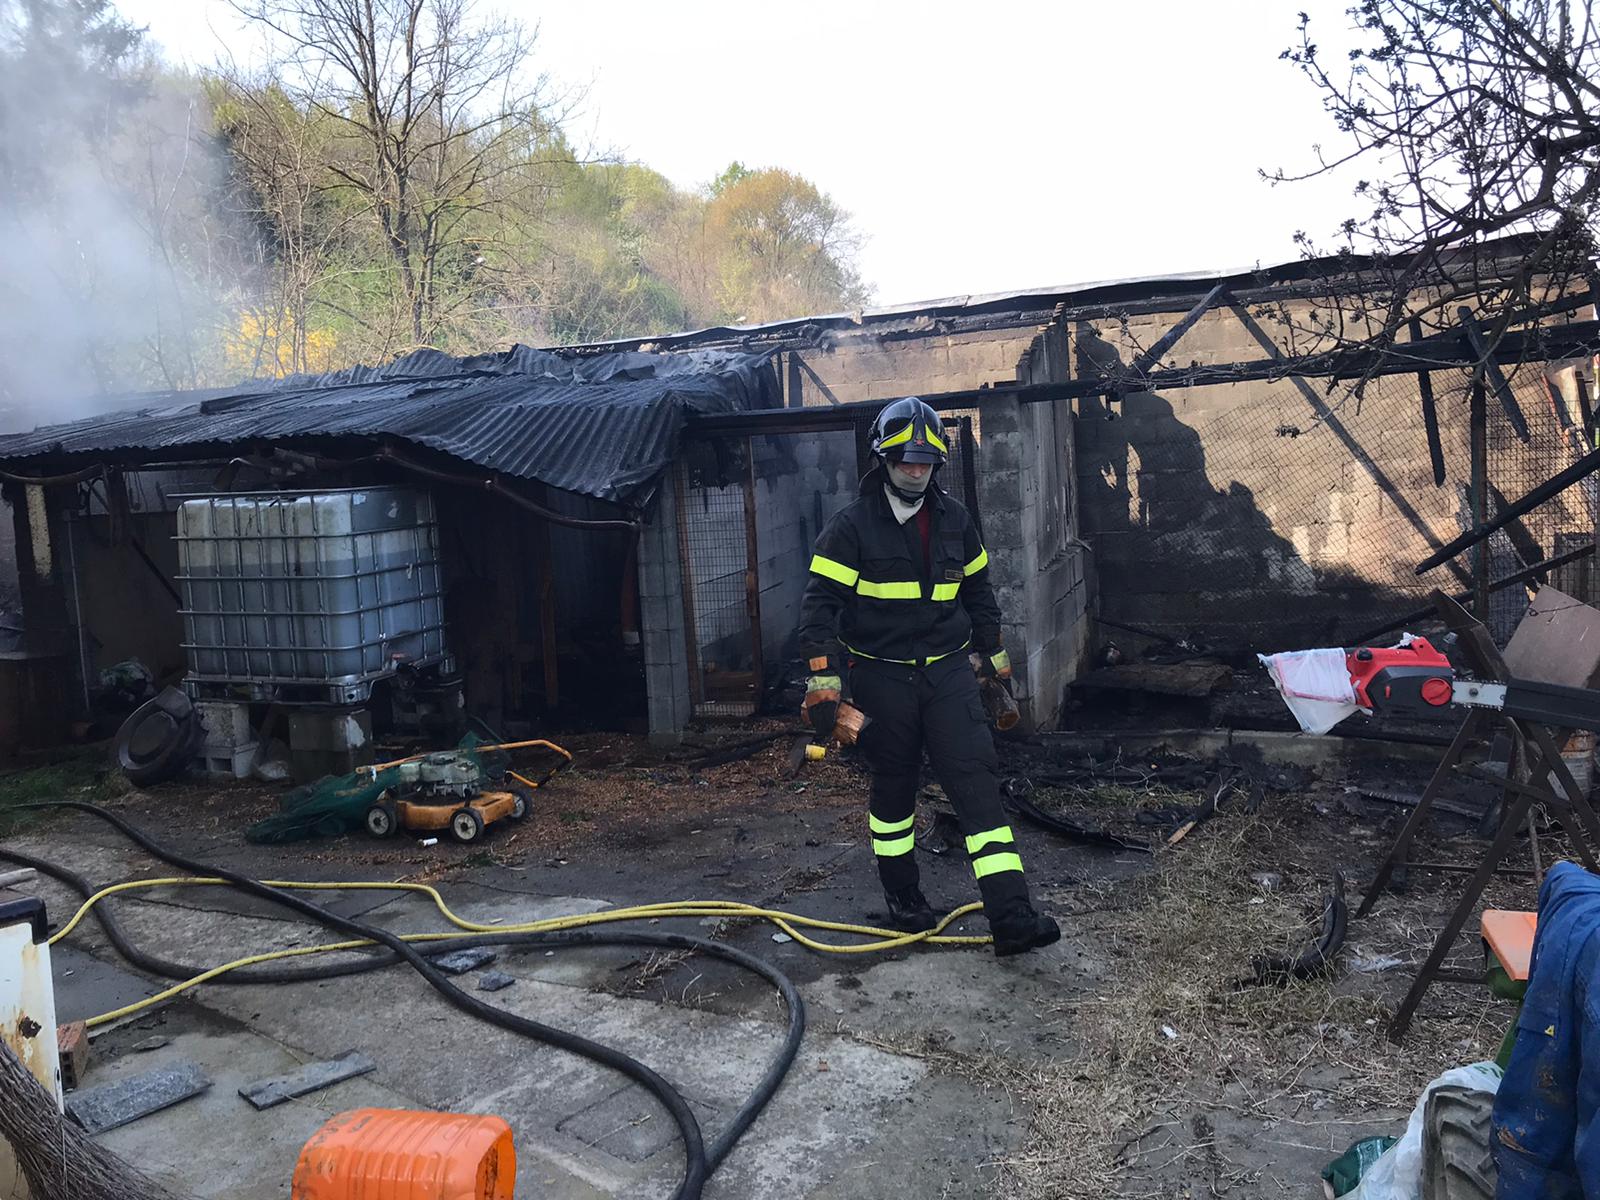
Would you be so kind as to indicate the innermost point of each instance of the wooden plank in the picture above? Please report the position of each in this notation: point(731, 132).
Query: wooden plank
point(1192, 679)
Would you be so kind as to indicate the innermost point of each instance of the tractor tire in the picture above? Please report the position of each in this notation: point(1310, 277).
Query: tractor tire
point(466, 825)
point(1457, 1159)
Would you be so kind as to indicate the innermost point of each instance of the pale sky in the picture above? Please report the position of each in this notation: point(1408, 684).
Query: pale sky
point(983, 147)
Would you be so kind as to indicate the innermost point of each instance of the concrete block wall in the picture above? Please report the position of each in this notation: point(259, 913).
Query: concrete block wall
point(1274, 514)
point(861, 367)
point(1027, 496)
point(800, 483)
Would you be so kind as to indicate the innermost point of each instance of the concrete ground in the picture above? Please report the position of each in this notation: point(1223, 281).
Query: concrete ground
point(918, 1072)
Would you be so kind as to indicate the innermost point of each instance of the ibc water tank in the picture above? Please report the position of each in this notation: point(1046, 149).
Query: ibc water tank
point(310, 596)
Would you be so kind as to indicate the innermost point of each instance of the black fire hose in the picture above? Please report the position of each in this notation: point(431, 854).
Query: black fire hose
point(263, 974)
point(699, 1162)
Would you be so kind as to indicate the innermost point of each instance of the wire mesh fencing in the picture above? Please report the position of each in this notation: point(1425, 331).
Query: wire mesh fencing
point(750, 510)
point(716, 536)
point(1260, 515)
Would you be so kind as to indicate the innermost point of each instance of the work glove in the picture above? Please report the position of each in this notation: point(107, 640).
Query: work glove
point(996, 664)
point(821, 705)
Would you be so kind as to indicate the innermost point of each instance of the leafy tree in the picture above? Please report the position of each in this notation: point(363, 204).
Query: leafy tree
point(783, 247)
point(433, 116)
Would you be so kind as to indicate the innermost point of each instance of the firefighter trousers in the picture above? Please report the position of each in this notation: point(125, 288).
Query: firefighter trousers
point(936, 710)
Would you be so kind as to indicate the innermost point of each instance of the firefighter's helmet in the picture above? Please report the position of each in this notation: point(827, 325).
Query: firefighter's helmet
point(908, 430)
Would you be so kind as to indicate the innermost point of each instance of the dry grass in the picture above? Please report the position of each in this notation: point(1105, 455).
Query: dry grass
point(1168, 1040)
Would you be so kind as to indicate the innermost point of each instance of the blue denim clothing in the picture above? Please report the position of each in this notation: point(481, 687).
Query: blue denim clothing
point(1547, 1112)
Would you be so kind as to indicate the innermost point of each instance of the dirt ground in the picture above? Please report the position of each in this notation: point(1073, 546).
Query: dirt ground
point(1147, 1064)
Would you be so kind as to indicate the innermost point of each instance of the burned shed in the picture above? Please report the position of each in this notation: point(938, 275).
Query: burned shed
point(625, 529)
point(524, 479)
point(1178, 457)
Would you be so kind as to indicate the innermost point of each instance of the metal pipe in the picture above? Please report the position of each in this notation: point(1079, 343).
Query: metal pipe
point(77, 617)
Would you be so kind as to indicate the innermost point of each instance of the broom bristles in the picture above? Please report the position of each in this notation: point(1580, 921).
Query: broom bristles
point(57, 1158)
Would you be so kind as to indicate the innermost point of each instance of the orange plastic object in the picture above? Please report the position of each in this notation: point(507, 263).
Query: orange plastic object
point(388, 1154)
point(1509, 935)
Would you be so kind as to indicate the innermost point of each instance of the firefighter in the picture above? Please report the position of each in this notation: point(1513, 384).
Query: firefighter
point(897, 598)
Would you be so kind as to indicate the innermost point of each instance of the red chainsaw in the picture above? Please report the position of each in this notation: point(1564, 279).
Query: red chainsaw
point(1417, 680)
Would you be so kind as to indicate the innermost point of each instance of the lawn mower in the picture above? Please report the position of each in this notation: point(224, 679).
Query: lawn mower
point(446, 791)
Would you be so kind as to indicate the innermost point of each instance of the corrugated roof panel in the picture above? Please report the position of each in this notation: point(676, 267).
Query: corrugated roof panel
point(603, 427)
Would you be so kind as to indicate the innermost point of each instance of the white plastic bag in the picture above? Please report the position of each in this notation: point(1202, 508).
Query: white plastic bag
point(1398, 1174)
point(1315, 684)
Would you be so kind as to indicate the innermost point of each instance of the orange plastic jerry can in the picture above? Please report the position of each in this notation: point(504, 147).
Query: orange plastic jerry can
point(389, 1154)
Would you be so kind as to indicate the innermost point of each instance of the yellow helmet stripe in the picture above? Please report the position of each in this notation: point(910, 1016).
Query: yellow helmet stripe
point(933, 440)
point(894, 439)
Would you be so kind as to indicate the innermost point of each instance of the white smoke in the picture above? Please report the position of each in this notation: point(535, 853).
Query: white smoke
point(108, 248)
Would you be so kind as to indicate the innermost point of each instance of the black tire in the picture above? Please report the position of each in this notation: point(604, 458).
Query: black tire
point(382, 820)
point(521, 804)
point(154, 744)
point(466, 825)
point(1457, 1161)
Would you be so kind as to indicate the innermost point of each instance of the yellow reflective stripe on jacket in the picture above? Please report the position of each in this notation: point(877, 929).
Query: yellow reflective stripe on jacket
point(878, 826)
point(836, 571)
point(993, 864)
point(1001, 835)
point(890, 848)
point(977, 564)
point(906, 662)
point(908, 589)
point(946, 591)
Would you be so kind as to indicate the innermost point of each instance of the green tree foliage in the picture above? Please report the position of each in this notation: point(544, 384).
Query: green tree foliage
point(397, 176)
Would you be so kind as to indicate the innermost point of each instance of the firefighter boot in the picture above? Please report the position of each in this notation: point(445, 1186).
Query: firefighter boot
point(1020, 936)
point(1016, 925)
point(909, 910)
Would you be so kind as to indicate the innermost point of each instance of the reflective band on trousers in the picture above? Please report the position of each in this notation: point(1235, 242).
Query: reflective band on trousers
point(836, 571)
point(1000, 835)
point(893, 847)
point(991, 864)
point(890, 847)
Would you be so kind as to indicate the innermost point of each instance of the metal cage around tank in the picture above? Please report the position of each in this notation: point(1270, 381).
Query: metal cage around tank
point(309, 596)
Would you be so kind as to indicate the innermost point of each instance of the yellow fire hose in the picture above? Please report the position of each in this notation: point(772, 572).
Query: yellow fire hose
point(789, 923)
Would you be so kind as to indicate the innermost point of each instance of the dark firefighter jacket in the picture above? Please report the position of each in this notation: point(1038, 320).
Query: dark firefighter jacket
point(869, 593)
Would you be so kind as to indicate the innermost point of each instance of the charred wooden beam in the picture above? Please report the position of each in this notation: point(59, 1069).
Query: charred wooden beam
point(1554, 486)
point(1170, 339)
point(1430, 414)
point(1486, 366)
